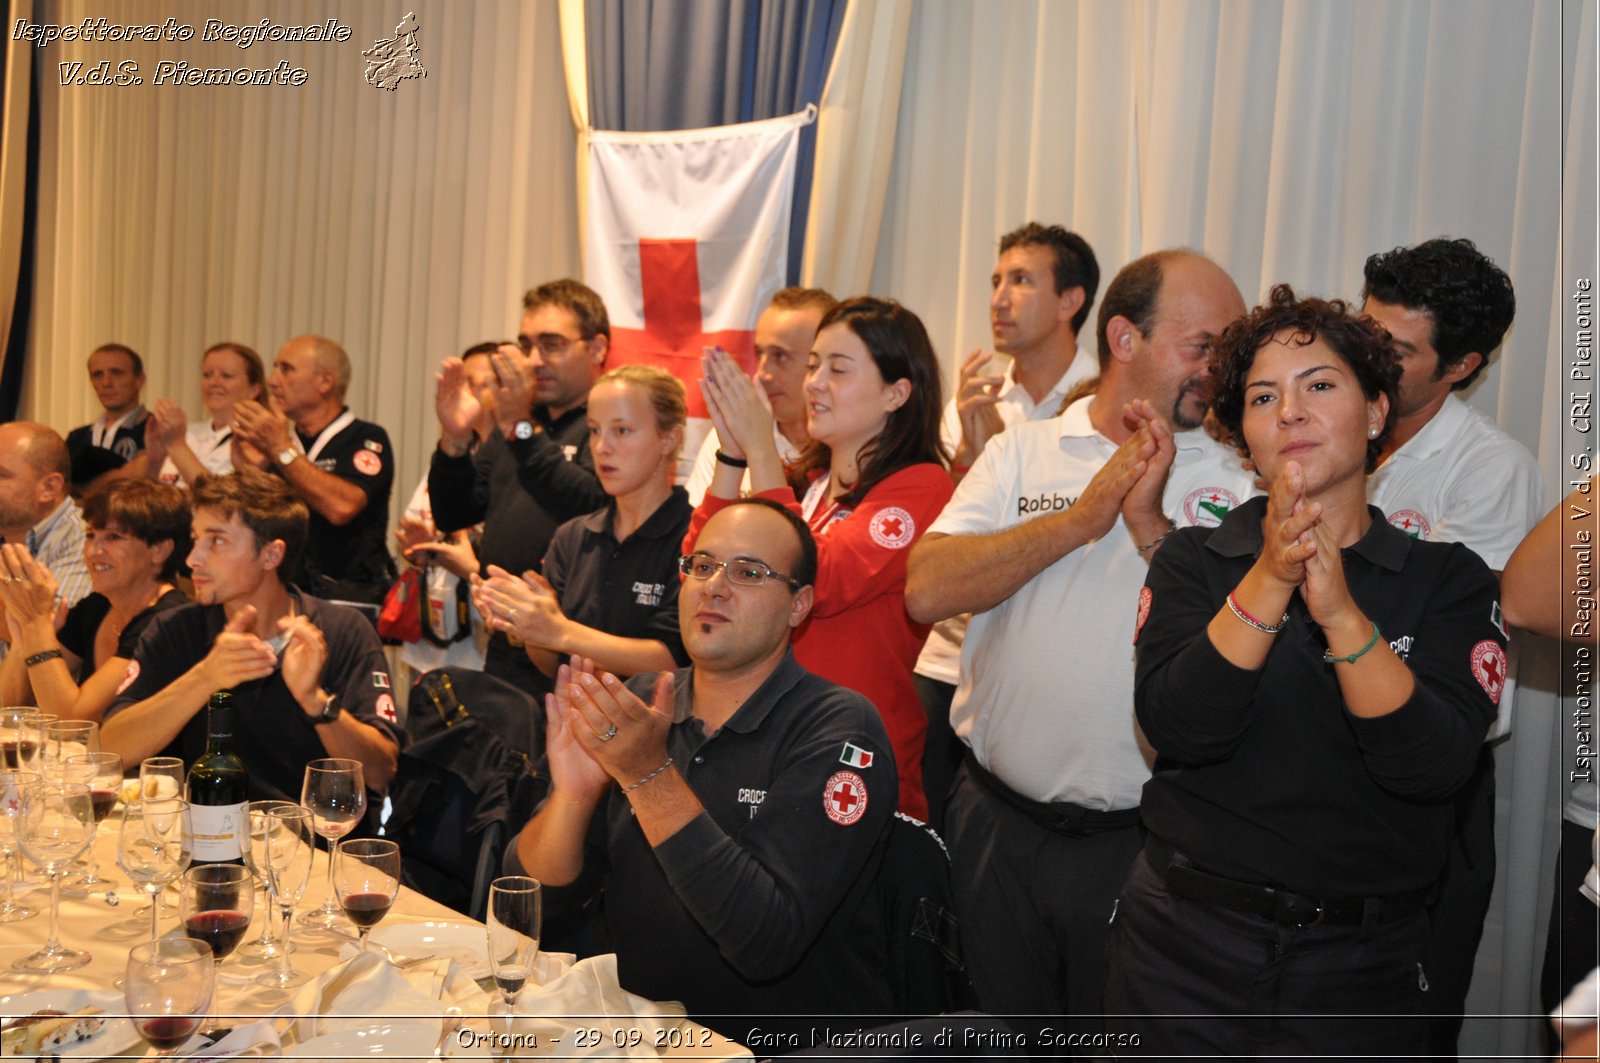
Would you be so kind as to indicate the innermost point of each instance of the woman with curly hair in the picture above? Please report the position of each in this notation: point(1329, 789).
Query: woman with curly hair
point(1316, 683)
point(872, 480)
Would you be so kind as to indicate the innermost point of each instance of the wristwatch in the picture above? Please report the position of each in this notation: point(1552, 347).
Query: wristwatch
point(330, 710)
point(523, 429)
point(287, 455)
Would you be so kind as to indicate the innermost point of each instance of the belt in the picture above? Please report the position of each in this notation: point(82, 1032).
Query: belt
point(1183, 879)
point(1061, 817)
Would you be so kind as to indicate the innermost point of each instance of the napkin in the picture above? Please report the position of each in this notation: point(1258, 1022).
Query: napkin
point(256, 1039)
point(348, 996)
point(586, 994)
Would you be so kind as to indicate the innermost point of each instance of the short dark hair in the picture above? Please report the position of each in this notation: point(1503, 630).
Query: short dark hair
point(150, 512)
point(805, 570)
point(1134, 293)
point(1470, 299)
point(264, 504)
point(485, 348)
point(795, 297)
point(1075, 265)
point(584, 302)
point(122, 348)
point(255, 369)
point(901, 350)
point(1363, 344)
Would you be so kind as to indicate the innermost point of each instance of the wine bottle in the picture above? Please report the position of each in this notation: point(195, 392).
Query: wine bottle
point(218, 790)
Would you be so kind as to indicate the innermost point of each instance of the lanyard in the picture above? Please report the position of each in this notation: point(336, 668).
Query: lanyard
point(339, 424)
point(817, 516)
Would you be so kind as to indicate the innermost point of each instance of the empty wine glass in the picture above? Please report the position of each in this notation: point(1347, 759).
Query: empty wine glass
point(167, 986)
point(11, 784)
point(255, 858)
point(64, 739)
point(56, 824)
point(366, 879)
point(160, 777)
point(291, 846)
point(513, 932)
point(102, 773)
point(154, 847)
point(336, 793)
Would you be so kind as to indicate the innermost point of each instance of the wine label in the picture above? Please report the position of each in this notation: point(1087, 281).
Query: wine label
point(217, 830)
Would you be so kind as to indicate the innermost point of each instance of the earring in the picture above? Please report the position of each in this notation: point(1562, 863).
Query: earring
point(1372, 433)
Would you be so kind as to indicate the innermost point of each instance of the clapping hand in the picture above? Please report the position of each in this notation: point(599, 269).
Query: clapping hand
point(737, 408)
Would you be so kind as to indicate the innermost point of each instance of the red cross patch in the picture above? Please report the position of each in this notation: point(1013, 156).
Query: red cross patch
point(385, 708)
point(129, 676)
point(1412, 523)
point(844, 797)
point(1489, 668)
point(368, 462)
point(1145, 598)
point(892, 527)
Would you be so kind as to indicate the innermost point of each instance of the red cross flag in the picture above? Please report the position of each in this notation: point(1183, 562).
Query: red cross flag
point(687, 237)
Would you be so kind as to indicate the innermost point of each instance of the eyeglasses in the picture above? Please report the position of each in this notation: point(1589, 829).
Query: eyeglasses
point(549, 344)
point(739, 571)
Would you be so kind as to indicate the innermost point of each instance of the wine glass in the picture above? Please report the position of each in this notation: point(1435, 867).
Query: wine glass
point(291, 846)
point(11, 784)
point(366, 878)
point(154, 847)
point(31, 743)
point(102, 773)
point(255, 858)
point(64, 739)
point(12, 756)
point(216, 902)
point(336, 793)
point(167, 987)
point(160, 778)
point(513, 931)
point(56, 825)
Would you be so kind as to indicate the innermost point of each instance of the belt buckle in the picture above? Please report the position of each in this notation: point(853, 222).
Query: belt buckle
point(1294, 905)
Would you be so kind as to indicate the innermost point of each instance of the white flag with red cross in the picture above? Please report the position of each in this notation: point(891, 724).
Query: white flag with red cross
point(687, 237)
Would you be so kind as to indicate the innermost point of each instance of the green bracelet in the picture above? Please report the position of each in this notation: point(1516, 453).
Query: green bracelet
point(1329, 658)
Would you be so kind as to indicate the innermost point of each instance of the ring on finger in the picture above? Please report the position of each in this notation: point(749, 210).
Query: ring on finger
point(609, 733)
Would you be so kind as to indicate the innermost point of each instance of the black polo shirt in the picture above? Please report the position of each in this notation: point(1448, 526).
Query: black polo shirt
point(272, 734)
point(1264, 775)
point(628, 589)
point(90, 459)
point(486, 487)
point(764, 904)
point(351, 561)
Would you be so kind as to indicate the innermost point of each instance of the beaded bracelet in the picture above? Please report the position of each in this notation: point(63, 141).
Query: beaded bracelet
point(664, 766)
point(1265, 629)
point(40, 658)
point(1329, 658)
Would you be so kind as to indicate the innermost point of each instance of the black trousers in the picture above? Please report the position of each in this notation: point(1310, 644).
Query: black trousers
point(1190, 978)
point(942, 751)
point(1459, 906)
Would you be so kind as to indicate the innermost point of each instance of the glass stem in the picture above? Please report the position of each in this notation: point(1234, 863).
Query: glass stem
point(288, 916)
point(53, 945)
point(155, 911)
point(328, 905)
point(11, 886)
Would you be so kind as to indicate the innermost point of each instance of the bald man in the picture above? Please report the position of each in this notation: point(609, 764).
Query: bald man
point(341, 467)
point(36, 510)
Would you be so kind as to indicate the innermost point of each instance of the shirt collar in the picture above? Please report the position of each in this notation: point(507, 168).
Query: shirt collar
point(749, 716)
point(1074, 422)
point(1082, 368)
point(664, 521)
point(1432, 437)
point(554, 425)
point(1240, 536)
point(40, 533)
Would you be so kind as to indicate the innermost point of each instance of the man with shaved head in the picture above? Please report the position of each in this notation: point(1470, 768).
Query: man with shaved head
point(36, 510)
point(341, 467)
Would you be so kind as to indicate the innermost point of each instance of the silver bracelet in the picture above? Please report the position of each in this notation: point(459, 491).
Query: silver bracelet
point(1158, 540)
point(1265, 629)
point(664, 766)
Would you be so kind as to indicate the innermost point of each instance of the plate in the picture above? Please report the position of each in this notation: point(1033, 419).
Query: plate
point(465, 943)
point(116, 1036)
point(401, 1038)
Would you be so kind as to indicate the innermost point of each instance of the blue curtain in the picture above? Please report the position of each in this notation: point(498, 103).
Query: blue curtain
point(658, 65)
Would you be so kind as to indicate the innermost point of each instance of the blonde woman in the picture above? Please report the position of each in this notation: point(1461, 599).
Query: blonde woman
point(609, 591)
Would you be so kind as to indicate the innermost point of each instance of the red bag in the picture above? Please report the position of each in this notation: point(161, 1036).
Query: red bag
point(400, 619)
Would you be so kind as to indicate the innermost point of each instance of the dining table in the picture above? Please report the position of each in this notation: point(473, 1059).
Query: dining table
point(423, 989)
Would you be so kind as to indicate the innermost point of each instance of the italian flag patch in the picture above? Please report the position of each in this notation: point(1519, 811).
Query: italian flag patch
point(855, 756)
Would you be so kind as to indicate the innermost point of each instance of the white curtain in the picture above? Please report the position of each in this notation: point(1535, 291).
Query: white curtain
point(404, 224)
point(1289, 139)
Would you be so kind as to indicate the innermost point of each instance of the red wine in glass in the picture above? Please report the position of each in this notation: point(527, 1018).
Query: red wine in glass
point(365, 909)
point(17, 753)
point(219, 929)
point(102, 800)
point(167, 1032)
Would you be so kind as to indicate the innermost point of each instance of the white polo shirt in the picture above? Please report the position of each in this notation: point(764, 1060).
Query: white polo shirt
point(1046, 692)
point(1462, 480)
point(212, 445)
point(941, 654)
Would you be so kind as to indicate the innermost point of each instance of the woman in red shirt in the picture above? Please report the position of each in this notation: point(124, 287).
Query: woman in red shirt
point(870, 483)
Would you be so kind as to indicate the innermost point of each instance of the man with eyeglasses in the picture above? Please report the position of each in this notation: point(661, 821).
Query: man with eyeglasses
point(534, 472)
point(746, 801)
